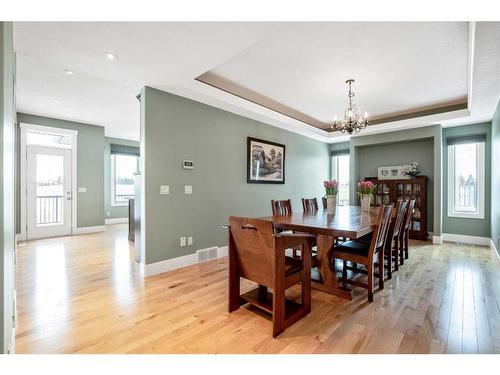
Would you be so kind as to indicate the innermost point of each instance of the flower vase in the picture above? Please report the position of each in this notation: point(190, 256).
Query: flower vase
point(365, 202)
point(331, 204)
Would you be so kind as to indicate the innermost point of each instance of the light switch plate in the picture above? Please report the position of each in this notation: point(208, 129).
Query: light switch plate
point(82, 189)
point(164, 189)
point(188, 189)
point(190, 241)
point(183, 241)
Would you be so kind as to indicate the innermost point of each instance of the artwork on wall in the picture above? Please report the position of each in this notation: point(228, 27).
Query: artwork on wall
point(392, 173)
point(265, 162)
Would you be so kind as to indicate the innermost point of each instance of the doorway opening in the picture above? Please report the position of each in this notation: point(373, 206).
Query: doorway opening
point(48, 181)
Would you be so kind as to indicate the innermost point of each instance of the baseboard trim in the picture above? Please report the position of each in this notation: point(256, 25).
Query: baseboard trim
point(437, 240)
point(494, 249)
point(176, 263)
point(118, 220)
point(85, 230)
point(462, 238)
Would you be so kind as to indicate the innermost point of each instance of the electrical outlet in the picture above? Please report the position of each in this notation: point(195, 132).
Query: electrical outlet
point(188, 189)
point(190, 241)
point(164, 189)
point(183, 241)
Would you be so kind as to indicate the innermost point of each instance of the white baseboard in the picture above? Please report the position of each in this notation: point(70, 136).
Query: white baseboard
point(437, 240)
point(118, 220)
point(473, 240)
point(494, 248)
point(85, 230)
point(176, 263)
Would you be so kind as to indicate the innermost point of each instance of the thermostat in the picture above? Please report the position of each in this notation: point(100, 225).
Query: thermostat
point(187, 164)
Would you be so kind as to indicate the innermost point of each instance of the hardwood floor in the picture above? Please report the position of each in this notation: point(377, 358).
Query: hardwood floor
point(84, 294)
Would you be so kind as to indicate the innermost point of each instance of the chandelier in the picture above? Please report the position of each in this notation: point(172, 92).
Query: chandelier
point(352, 122)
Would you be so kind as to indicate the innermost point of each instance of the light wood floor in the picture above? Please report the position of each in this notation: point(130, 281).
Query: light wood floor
point(84, 294)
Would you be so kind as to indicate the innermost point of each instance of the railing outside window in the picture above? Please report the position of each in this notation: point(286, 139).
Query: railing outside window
point(49, 209)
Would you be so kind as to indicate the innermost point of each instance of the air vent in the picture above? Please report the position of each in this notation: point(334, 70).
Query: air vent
point(207, 254)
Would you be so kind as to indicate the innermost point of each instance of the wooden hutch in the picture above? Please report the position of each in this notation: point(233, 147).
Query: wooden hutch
point(394, 191)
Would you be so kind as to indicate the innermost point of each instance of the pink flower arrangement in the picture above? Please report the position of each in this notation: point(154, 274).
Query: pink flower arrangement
point(331, 187)
point(365, 188)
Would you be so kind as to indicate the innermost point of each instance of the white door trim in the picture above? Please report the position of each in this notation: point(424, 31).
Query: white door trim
point(74, 153)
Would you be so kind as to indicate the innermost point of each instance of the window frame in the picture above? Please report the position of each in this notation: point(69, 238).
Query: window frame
point(480, 167)
point(113, 182)
point(335, 170)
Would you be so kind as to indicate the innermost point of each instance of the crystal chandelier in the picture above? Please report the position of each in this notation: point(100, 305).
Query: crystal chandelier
point(352, 122)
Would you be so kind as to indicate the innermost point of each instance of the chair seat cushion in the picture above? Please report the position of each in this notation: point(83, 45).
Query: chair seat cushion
point(292, 265)
point(353, 247)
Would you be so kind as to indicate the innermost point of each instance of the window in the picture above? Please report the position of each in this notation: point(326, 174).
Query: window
point(340, 172)
point(466, 178)
point(123, 168)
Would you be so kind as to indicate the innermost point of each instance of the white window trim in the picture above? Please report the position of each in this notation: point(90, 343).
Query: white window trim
point(335, 169)
point(480, 184)
point(113, 203)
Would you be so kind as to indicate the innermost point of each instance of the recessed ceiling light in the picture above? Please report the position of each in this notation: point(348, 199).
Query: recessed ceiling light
point(110, 55)
point(55, 101)
point(69, 72)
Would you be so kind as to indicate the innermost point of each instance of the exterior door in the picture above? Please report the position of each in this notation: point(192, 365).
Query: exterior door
point(48, 195)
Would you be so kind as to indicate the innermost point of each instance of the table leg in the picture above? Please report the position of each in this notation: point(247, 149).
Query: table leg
point(329, 282)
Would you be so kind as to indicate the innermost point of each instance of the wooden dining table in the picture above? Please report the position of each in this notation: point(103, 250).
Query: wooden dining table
point(347, 222)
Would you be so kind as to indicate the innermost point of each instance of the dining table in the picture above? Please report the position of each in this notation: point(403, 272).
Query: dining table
point(348, 222)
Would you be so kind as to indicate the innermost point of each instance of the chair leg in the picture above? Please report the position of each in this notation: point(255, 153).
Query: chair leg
point(370, 280)
point(344, 271)
point(406, 243)
point(396, 254)
point(389, 261)
point(401, 249)
point(381, 269)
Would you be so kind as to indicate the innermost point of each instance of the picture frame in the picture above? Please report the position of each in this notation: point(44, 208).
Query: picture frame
point(265, 162)
point(392, 173)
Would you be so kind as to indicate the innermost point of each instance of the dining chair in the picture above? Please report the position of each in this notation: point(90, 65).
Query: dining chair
point(323, 199)
point(405, 232)
point(282, 207)
point(363, 253)
point(310, 205)
point(257, 254)
point(392, 248)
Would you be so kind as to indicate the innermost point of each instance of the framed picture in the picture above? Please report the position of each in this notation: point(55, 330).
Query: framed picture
point(265, 162)
point(392, 173)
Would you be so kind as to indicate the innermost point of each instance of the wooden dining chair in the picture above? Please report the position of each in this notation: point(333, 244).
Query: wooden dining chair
point(364, 253)
point(257, 254)
point(405, 232)
point(392, 248)
point(323, 199)
point(310, 205)
point(282, 207)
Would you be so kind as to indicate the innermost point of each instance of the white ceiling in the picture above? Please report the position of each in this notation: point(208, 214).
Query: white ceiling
point(397, 66)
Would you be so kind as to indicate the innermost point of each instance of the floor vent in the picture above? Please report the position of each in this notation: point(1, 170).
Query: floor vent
point(207, 254)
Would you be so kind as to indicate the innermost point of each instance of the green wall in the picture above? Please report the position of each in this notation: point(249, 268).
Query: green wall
point(174, 128)
point(7, 185)
point(113, 212)
point(458, 225)
point(495, 178)
point(380, 155)
point(90, 165)
point(423, 144)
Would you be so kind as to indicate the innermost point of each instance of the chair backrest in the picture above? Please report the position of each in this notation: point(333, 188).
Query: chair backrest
point(400, 218)
point(409, 215)
point(310, 205)
point(381, 228)
point(252, 243)
point(324, 202)
point(283, 207)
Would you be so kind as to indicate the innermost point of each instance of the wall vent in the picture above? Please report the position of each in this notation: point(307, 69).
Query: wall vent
point(207, 254)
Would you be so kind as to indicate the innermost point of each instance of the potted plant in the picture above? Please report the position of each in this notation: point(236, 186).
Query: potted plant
point(331, 187)
point(411, 169)
point(365, 191)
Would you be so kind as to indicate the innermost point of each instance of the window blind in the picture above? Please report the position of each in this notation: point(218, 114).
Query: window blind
point(475, 138)
point(124, 150)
